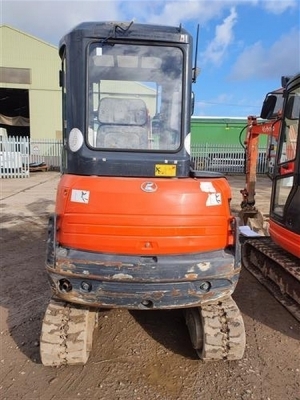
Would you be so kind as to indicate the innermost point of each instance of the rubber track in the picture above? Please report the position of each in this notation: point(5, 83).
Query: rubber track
point(223, 331)
point(67, 334)
point(276, 269)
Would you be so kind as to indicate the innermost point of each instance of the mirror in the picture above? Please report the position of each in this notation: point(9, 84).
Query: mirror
point(268, 107)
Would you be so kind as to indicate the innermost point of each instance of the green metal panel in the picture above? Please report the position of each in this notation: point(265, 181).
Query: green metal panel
point(219, 130)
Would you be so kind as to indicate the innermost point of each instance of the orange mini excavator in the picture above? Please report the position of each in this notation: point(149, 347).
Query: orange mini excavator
point(135, 226)
point(274, 256)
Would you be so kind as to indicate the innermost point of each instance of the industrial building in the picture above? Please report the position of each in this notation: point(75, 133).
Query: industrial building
point(30, 97)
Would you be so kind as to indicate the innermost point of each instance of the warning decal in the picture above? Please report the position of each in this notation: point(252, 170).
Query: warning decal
point(213, 198)
point(80, 196)
point(165, 170)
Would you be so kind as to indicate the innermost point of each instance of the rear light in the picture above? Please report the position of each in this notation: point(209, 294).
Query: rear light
point(231, 231)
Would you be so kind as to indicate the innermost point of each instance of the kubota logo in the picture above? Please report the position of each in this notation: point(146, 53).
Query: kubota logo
point(149, 187)
point(268, 129)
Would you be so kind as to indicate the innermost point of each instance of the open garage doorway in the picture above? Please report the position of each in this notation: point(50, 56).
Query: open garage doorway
point(14, 111)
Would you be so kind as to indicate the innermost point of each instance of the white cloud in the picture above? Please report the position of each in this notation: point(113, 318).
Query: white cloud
point(224, 36)
point(282, 58)
point(278, 6)
point(176, 12)
point(50, 20)
point(271, 6)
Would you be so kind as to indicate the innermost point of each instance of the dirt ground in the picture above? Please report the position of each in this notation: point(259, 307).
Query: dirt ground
point(143, 355)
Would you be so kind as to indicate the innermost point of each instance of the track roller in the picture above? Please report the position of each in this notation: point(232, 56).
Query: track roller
point(67, 333)
point(217, 330)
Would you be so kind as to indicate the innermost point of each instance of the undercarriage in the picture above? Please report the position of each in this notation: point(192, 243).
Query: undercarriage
point(276, 269)
point(216, 330)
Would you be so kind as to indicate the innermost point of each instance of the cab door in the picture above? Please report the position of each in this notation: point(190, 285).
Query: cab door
point(285, 201)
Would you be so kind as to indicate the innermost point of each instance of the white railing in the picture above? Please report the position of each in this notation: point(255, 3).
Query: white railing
point(14, 157)
point(18, 155)
point(47, 151)
point(226, 158)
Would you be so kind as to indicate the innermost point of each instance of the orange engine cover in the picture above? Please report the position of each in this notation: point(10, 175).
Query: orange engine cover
point(144, 217)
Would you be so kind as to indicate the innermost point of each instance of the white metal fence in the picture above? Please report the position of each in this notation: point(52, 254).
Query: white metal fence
point(19, 155)
point(226, 158)
point(47, 151)
point(14, 157)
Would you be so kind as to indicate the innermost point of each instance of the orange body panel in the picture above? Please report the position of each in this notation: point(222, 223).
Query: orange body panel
point(284, 238)
point(114, 215)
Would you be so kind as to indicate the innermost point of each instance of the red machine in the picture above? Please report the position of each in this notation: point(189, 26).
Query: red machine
point(274, 259)
point(135, 226)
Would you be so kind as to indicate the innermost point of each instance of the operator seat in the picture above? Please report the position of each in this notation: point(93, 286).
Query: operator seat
point(123, 124)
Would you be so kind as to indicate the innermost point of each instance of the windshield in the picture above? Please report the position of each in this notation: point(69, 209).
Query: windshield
point(134, 98)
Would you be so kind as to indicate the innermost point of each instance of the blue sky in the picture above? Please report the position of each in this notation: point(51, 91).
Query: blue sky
point(245, 46)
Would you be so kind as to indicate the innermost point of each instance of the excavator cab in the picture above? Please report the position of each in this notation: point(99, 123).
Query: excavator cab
point(285, 200)
point(135, 226)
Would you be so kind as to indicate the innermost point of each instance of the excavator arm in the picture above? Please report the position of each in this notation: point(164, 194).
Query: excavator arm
point(254, 130)
point(270, 126)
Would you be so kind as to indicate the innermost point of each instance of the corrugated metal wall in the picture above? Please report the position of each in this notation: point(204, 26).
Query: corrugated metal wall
point(220, 130)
